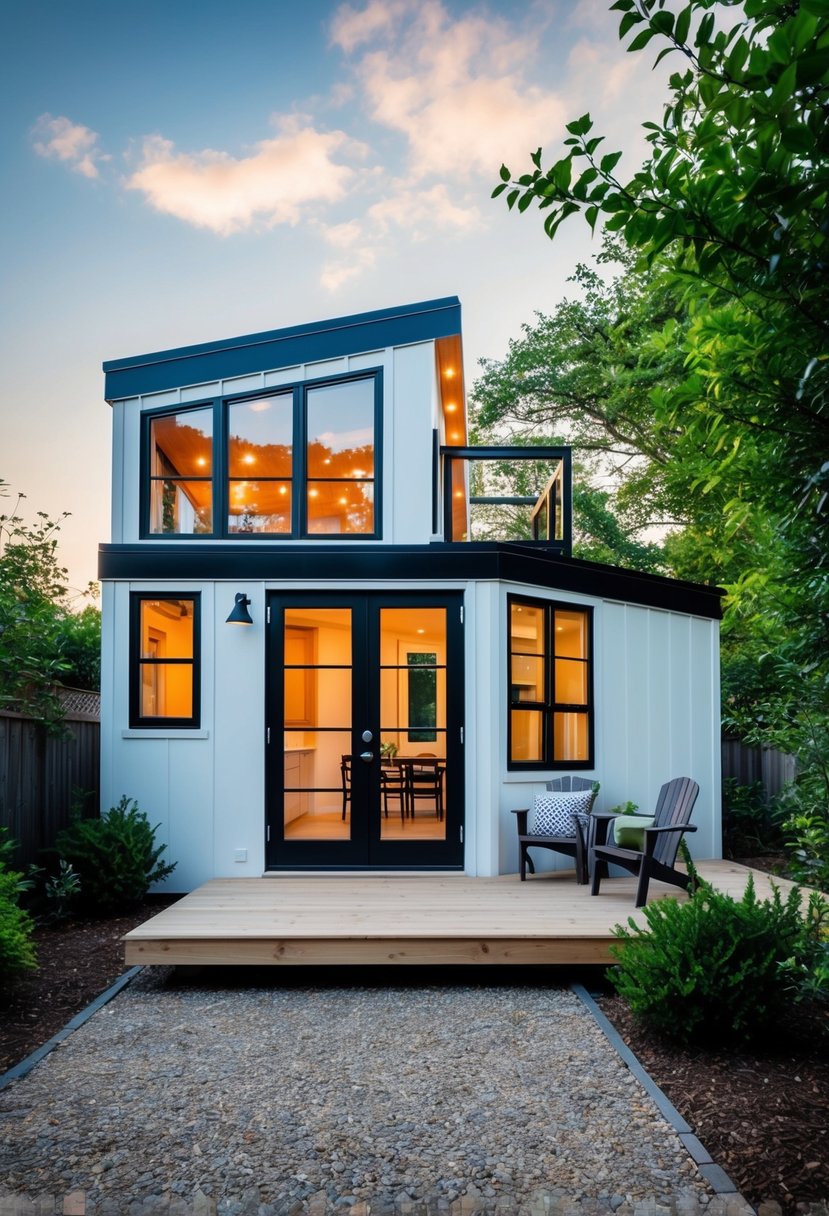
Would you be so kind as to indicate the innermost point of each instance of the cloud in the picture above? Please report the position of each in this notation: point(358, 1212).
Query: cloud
point(456, 88)
point(275, 184)
point(420, 212)
point(351, 27)
point(71, 142)
point(335, 274)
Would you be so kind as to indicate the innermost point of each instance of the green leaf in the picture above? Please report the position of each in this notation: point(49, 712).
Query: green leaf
point(608, 163)
point(627, 23)
point(683, 25)
point(663, 22)
point(505, 173)
point(580, 126)
point(641, 40)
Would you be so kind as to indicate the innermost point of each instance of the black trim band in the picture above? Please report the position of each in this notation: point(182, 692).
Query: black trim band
point(476, 560)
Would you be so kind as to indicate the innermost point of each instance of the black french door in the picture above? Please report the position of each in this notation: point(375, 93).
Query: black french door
point(365, 697)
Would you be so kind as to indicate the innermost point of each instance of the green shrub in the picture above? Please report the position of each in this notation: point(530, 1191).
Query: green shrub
point(115, 858)
point(17, 951)
point(61, 891)
point(751, 826)
point(711, 970)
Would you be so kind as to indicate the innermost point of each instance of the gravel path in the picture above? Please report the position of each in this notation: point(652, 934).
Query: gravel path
point(272, 1098)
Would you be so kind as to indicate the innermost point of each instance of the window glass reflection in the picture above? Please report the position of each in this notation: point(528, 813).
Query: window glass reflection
point(181, 465)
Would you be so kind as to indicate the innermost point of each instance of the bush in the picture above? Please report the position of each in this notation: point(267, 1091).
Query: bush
point(115, 858)
point(750, 826)
point(712, 970)
point(17, 951)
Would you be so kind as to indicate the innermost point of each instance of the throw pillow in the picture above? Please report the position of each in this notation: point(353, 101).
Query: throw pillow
point(553, 814)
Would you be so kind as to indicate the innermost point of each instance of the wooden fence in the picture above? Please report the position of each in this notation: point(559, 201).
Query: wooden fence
point(749, 764)
point(38, 775)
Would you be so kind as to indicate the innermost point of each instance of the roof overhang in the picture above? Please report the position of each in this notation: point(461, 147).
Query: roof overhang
point(427, 321)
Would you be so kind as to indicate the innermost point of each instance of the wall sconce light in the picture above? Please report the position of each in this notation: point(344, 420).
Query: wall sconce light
point(240, 614)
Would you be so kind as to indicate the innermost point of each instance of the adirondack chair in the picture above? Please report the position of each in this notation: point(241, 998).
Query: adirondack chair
point(574, 845)
point(657, 858)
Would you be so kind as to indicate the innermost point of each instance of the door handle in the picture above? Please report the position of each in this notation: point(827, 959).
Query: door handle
point(367, 757)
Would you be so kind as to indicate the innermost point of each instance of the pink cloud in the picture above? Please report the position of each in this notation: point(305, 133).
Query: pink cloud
point(274, 184)
point(71, 142)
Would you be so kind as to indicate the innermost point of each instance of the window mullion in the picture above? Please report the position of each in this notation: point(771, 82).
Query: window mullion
point(221, 470)
point(299, 485)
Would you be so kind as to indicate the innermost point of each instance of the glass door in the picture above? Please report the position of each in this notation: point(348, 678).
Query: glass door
point(365, 704)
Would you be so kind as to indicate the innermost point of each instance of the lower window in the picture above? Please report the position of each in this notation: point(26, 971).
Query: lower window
point(164, 667)
point(550, 685)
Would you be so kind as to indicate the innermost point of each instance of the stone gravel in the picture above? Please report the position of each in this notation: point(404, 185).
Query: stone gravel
point(211, 1098)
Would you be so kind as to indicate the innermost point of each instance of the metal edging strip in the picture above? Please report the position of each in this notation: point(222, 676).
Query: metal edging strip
point(26, 1066)
point(713, 1174)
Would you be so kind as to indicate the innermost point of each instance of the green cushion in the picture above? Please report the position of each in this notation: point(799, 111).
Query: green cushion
point(629, 830)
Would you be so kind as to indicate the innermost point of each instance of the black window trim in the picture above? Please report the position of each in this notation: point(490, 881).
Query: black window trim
point(299, 474)
point(137, 721)
point(550, 706)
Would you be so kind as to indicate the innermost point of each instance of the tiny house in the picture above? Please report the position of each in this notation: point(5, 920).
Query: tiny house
point(318, 654)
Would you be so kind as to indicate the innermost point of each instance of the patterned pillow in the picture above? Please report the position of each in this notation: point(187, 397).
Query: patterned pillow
point(553, 814)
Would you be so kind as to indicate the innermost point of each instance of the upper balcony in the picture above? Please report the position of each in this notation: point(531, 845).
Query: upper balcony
point(352, 429)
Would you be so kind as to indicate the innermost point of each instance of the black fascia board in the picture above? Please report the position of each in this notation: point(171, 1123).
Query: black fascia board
point(476, 560)
point(319, 340)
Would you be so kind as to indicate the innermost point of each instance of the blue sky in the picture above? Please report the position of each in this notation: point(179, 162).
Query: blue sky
point(178, 172)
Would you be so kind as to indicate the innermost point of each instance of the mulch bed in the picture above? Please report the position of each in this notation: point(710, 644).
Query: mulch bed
point(77, 961)
point(762, 1115)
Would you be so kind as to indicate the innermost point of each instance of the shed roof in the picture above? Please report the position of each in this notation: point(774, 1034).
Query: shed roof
point(251, 353)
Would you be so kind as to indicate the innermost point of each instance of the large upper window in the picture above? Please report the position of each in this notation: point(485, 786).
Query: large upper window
point(550, 685)
point(299, 462)
point(164, 667)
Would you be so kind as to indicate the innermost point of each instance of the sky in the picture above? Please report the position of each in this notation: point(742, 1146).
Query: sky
point(179, 171)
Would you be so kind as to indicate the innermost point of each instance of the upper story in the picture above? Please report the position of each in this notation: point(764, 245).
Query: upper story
point(351, 429)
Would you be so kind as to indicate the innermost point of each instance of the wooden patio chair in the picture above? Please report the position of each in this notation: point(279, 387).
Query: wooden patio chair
point(425, 781)
point(345, 778)
point(573, 845)
point(657, 857)
point(392, 785)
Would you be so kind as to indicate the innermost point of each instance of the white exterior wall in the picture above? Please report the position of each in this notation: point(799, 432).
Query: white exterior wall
point(656, 693)
point(409, 412)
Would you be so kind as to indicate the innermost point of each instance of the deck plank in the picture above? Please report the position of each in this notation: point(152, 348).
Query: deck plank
point(346, 919)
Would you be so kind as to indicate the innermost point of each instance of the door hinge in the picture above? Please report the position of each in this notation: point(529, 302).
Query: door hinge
point(461, 734)
point(461, 833)
point(269, 834)
point(268, 734)
point(268, 614)
point(461, 613)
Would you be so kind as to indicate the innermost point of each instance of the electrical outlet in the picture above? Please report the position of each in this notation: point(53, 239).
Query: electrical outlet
point(240, 855)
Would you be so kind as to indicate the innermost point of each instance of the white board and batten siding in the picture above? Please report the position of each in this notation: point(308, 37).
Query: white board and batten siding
point(657, 716)
point(410, 412)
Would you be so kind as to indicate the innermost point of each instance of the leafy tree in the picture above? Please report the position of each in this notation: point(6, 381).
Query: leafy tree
point(42, 642)
point(730, 212)
point(734, 192)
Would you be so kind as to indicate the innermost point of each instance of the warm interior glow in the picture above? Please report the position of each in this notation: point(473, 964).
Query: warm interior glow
point(166, 639)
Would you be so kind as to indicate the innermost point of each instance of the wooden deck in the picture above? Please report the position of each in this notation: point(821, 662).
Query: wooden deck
point(403, 919)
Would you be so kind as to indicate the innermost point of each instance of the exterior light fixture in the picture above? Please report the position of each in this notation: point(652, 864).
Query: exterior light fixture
point(240, 614)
